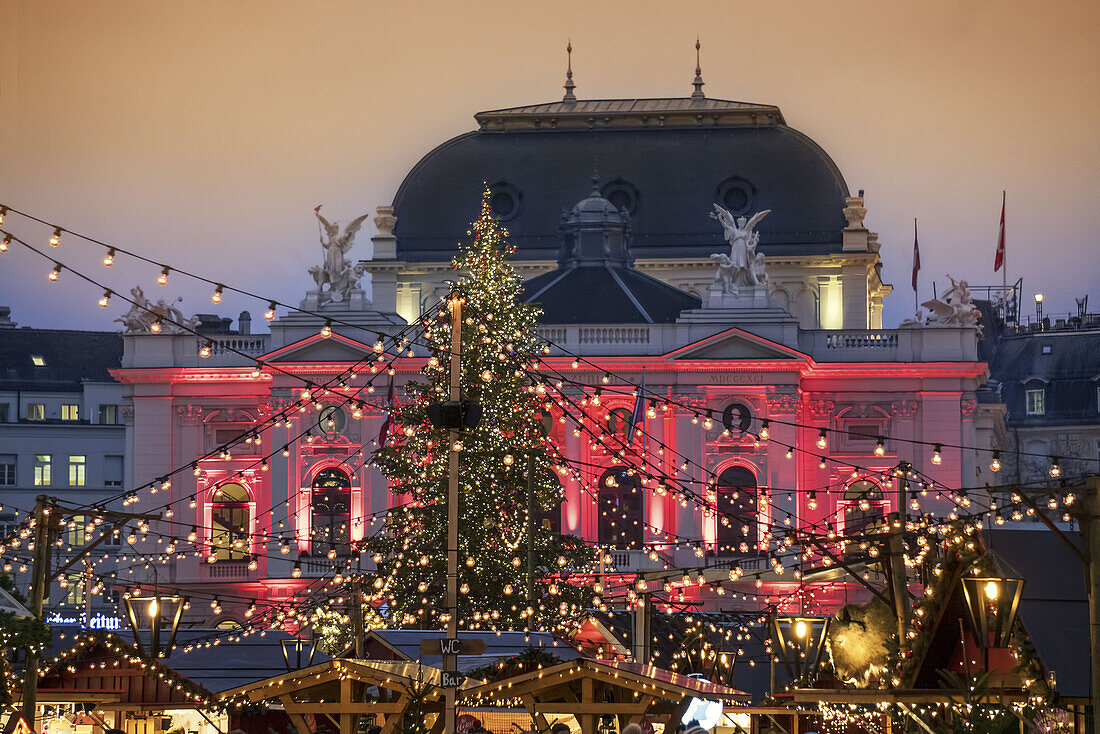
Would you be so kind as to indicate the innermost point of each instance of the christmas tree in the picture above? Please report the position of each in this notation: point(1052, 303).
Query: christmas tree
point(499, 355)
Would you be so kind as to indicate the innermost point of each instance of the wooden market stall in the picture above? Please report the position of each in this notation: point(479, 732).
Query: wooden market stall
point(344, 691)
point(592, 689)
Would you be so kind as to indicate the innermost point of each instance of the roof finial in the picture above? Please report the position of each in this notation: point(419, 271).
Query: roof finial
point(569, 85)
point(595, 180)
point(698, 83)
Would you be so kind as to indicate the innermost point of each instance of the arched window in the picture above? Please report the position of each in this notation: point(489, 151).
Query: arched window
point(229, 522)
point(331, 512)
point(736, 511)
point(621, 508)
point(863, 507)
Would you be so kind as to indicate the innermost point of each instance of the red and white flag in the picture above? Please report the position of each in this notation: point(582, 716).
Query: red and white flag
point(999, 260)
point(916, 255)
point(385, 429)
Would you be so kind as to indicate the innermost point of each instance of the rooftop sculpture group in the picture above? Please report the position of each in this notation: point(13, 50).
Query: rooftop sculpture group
point(341, 277)
point(144, 313)
point(744, 266)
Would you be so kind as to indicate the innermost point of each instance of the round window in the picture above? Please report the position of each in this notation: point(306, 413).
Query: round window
point(737, 417)
point(332, 420)
point(622, 194)
point(736, 194)
point(504, 200)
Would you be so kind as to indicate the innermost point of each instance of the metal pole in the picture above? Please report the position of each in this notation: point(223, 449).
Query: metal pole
point(450, 662)
point(1092, 539)
point(530, 532)
point(40, 583)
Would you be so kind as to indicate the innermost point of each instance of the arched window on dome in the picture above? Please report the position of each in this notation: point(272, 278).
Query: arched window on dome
point(230, 518)
point(621, 508)
point(864, 508)
point(331, 512)
point(737, 521)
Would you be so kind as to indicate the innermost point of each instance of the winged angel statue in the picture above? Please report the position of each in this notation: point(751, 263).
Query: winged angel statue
point(955, 309)
point(744, 266)
point(340, 275)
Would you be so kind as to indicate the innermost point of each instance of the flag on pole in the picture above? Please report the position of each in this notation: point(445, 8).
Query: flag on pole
point(916, 255)
point(385, 429)
point(639, 406)
point(999, 260)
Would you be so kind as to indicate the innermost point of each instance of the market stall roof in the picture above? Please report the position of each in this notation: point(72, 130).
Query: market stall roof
point(500, 645)
point(590, 689)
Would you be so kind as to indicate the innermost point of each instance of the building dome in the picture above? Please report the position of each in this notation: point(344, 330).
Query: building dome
point(595, 209)
point(663, 161)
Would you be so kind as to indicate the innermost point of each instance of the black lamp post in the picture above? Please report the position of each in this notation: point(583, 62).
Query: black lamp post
point(798, 643)
point(991, 604)
point(157, 608)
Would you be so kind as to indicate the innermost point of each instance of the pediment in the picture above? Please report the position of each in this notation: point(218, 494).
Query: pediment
point(735, 344)
point(316, 348)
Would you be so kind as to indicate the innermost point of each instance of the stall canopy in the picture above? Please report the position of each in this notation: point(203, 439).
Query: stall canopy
point(592, 689)
point(346, 691)
point(387, 644)
point(108, 668)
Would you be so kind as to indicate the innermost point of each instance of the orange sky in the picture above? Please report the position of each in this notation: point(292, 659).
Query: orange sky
point(203, 133)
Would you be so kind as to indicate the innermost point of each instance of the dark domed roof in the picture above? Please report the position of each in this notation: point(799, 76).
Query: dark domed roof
point(665, 162)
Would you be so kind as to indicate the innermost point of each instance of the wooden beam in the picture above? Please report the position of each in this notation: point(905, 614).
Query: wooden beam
point(330, 709)
point(298, 720)
point(532, 708)
point(591, 708)
point(347, 720)
point(392, 720)
point(587, 721)
point(646, 701)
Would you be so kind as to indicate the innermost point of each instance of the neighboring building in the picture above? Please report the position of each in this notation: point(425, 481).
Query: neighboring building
point(1048, 376)
point(625, 275)
point(62, 434)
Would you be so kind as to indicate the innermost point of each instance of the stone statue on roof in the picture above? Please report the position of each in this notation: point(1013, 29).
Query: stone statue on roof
point(956, 308)
point(341, 277)
point(743, 266)
point(144, 313)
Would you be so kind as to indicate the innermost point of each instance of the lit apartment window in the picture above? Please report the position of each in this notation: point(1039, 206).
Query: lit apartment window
point(76, 589)
point(7, 470)
point(1035, 402)
point(42, 470)
point(76, 531)
point(70, 412)
point(76, 471)
point(36, 411)
point(38, 360)
point(108, 414)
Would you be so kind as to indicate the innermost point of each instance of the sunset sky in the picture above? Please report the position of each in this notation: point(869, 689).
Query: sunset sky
point(203, 133)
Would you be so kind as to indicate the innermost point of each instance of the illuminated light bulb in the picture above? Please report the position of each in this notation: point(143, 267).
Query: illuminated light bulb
point(764, 430)
point(256, 371)
point(252, 564)
point(5, 244)
point(508, 459)
point(286, 450)
point(995, 465)
point(106, 298)
point(154, 609)
point(821, 464)
point(192, 535)
point(326, 330)
point(162, 279)
point(216, 297)
point(204, 352)
point(822, 439)
point(109, 258)
point(55, 272)
point(155, 328)
point(812, 504)
point(379, 347)
point(305, 394)
point(790, 453)
point(3, 212)
point(800, 629)
point(880, 446)
point(269, 314)
point(486, 375)
point(284, 548)
point(55, 238)
point(936, 457)
point(263, 465)
point(992, 590)
point(1055, 470)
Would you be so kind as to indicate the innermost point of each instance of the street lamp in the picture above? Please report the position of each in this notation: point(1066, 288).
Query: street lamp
point(156, 608)
point(799, 642)
point(1039, 308)
point(991, 604)
point(297, 646)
